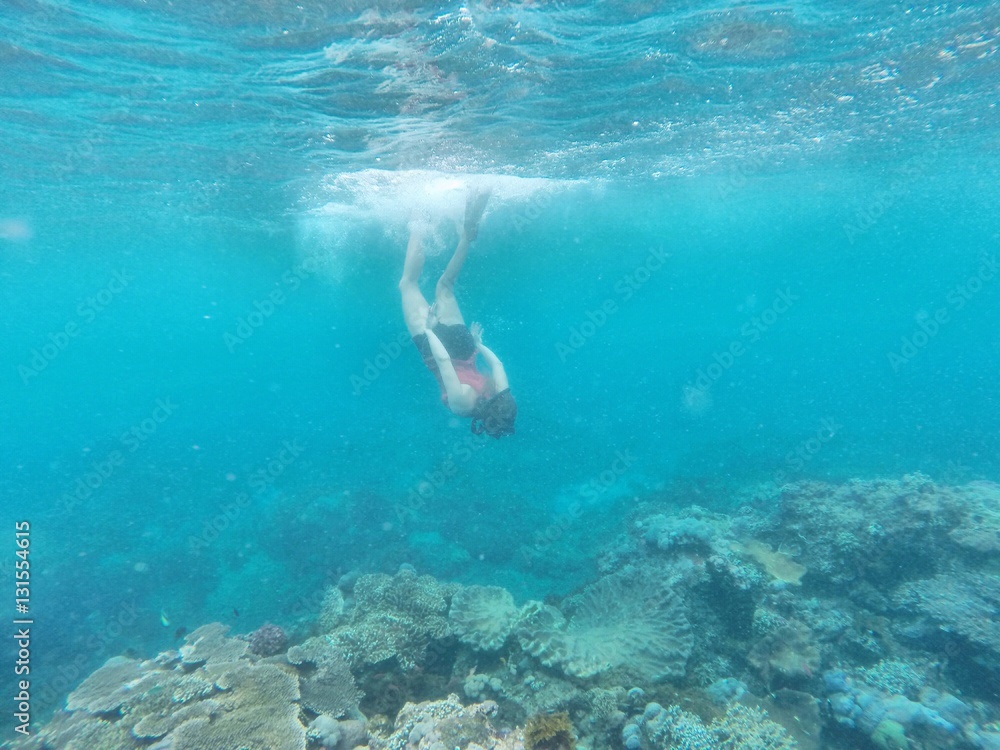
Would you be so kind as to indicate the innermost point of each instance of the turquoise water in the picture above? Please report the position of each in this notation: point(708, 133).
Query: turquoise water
point(728, 245)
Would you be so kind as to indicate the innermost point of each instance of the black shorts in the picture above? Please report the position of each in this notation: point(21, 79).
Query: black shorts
point(457, 340)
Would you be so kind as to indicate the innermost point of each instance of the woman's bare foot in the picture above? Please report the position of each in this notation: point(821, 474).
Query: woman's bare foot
point(475, 205)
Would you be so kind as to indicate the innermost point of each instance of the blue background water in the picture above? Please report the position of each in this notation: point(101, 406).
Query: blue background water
point(841, 154)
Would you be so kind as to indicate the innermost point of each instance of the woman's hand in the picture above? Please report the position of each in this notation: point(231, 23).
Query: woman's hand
point(432, 317)
point(477, 334)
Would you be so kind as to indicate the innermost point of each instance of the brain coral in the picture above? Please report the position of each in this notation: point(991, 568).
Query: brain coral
point(629, 622)
point(483, 616)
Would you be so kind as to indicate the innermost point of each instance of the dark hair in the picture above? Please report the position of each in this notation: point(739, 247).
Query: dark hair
point(495, 416)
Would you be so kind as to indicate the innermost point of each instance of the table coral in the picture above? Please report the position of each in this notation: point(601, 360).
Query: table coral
point(209, 644)
point(165, 703)
point(261, 712)
point(330, 689)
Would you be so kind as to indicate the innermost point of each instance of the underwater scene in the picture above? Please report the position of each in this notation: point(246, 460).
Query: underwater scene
point(500, 375)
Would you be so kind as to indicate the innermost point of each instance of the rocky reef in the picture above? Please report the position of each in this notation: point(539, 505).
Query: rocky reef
point(811, 615)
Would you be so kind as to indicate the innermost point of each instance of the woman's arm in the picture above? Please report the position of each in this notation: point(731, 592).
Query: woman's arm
point(496, 366)
point(461, 397)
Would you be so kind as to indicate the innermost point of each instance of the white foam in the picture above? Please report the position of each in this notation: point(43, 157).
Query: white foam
point(355, 203)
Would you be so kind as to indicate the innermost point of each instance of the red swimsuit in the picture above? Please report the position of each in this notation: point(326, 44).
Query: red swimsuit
point(467, 373)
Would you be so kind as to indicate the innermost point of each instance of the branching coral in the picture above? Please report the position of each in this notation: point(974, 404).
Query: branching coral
point(742, 728)
point(446, 724)
point(394, 616)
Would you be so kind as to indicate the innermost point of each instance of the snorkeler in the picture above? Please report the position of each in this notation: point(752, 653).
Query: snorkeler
point(447, 346)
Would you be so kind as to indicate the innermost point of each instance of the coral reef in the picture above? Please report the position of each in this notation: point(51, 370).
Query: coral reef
point(259, 711)
point(826, 616)
point(549, 732)
point(787, 653)
point(394, 617)
point(186, 700)
point(332, 734)
point(267, 640)
point(966, 604)
point(331, 612)
point(483, 616)
point(209, 645)
point(329, 688)
point(433, 725)
point(629, 622)
point(889, 720)
point(741, 728)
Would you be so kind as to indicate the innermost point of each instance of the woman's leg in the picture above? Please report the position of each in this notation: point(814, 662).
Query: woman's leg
point(414, 305)
point(445, 304)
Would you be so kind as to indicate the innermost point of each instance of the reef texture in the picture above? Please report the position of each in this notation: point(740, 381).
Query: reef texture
point(394, 617)
point(740, 728)
point(329, 688)
point(191, 699)
point(447, 725)
point(840, 616)
point(629, 622)
point(483, 616)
